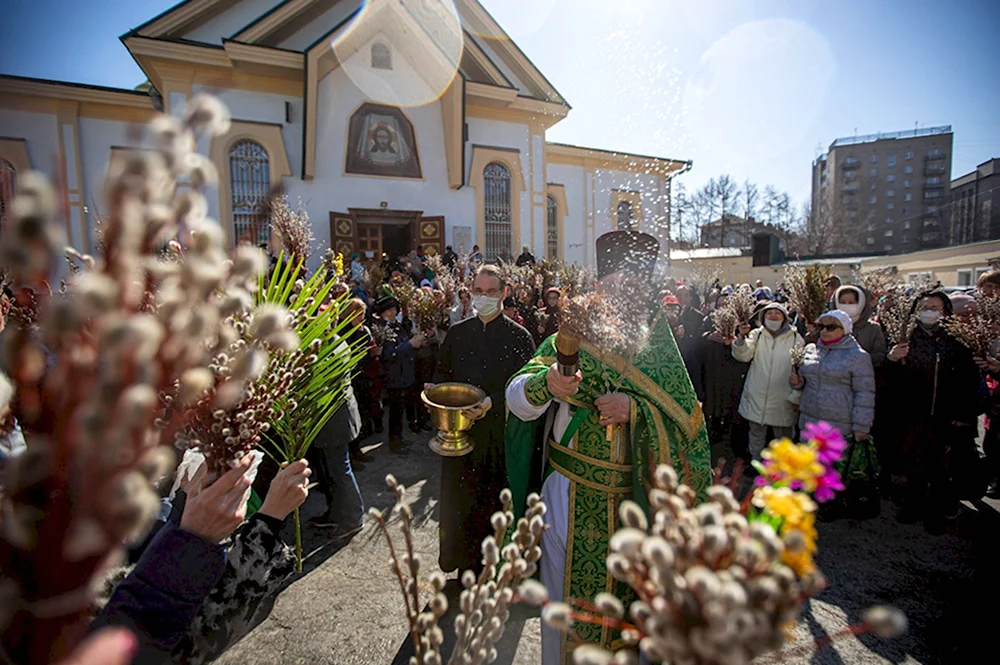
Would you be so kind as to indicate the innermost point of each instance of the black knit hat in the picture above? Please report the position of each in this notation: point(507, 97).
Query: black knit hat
point(627, 251)
point(386, 303)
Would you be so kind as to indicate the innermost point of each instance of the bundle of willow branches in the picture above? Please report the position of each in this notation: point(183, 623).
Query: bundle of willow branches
point(980, 330)
point(292, 228)
point(877, 282)
point(486, 599)
point(717, 582)
point(444, 278)
point(807, 290)
point(896, 316)
point(89, 377)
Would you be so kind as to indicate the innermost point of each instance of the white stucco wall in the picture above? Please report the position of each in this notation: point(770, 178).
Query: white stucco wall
point(333, 190)
point(231, 21)
point(258, 107)
point(498, 134)
point(578, 201)
point(320, 26)
point(609, 180)
point(97, 137)
point(40, 133)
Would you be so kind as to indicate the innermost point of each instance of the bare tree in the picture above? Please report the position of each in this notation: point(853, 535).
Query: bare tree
point(680, 208)
point(838, 225)
point(749, 197)
point(703, 206)
point(769, 206)
point(725, 192)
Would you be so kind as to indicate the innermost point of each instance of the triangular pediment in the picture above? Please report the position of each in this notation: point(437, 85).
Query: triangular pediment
point(488, 55)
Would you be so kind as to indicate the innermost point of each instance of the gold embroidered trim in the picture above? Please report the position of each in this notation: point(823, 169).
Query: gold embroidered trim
point(690, 423)
point(565, 646)
point(587, 483)
point(589, 460)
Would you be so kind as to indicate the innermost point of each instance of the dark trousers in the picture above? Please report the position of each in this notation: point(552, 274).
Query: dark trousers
point(369, 405)
point(332, 470)
point(397, 401)
point(424, 370)
point(470, 494)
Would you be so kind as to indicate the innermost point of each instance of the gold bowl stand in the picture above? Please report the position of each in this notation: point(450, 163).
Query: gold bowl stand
point(446, 401)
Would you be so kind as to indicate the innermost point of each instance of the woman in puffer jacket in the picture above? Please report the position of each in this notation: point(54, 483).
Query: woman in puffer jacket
point(765, 396)
point(856, 302)
point(837, 380)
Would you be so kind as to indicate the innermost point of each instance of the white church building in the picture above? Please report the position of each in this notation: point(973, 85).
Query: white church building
point(395, 124)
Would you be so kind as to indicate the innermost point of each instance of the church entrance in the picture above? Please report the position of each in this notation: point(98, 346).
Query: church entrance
point(372, 232)
point(394, 238)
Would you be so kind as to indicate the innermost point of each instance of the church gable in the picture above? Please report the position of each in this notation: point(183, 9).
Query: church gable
point(233, 19)
point(489, 55)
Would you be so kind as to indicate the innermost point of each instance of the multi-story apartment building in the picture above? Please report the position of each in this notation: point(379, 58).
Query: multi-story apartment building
point(886, 192)
point(974, 205)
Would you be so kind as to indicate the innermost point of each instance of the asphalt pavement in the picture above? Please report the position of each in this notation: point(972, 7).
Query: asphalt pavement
point(346, 607)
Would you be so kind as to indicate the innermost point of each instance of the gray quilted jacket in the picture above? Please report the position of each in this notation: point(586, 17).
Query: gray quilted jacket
point(839, 388)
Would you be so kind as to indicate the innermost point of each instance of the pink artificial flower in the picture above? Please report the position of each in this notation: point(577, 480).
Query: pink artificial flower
point(830, 443)
point(827, 485)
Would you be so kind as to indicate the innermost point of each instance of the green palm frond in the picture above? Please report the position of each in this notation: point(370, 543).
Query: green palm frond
point(322, 389)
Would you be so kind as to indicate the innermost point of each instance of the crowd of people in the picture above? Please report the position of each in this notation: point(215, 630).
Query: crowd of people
point(915, 406)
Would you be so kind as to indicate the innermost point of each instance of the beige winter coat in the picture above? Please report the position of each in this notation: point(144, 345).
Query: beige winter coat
point(766, 391)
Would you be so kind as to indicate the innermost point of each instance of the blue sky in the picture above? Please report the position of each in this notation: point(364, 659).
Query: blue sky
point(746, 87)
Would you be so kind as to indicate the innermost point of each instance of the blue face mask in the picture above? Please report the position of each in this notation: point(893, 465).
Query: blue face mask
point(399, 317)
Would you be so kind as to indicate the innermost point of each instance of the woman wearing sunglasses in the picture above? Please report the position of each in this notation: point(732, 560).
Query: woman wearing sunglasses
point(836, 379)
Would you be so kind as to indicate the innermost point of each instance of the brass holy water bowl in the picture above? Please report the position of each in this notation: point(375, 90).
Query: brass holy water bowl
point(446, 402)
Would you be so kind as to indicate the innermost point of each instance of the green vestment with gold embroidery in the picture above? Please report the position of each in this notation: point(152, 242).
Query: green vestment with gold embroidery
point(608, 465)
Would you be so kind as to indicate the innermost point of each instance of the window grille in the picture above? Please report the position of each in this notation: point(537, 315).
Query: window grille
point(499, 225)
point(626, 217)
point(552, 229)
point(8, 185)
point(250, 171)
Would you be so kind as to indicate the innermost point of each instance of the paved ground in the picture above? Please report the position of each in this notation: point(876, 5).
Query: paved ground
point(346, 609)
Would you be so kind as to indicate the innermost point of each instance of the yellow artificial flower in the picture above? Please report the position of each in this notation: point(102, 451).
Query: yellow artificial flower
point(784, 502)
point(794, 462)
point(797, 513)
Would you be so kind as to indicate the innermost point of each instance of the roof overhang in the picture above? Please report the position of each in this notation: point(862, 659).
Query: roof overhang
point(563, 153)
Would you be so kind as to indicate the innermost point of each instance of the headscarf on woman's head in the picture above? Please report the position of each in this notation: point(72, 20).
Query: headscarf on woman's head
point(863, 311)
point(841, 317)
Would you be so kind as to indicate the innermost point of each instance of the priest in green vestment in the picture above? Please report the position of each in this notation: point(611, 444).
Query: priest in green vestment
point(600, 446)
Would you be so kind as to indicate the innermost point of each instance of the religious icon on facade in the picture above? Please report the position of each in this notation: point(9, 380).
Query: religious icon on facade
point(381, 142)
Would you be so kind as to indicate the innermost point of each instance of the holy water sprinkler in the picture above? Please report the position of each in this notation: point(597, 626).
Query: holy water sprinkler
point(567, 353)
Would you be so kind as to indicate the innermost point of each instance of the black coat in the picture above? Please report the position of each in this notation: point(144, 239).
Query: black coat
point(486, 357)
point(718, 378)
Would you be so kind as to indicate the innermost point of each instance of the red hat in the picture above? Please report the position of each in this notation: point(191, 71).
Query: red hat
point(670, 299)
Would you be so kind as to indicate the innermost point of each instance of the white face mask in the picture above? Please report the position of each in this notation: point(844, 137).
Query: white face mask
point(773, 325)
point(853, 310)
point(486, 306)
point(929, 317)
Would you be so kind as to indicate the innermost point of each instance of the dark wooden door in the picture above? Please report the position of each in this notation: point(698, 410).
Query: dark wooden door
point(370, 239)
point(343, 233)
point(430, 234)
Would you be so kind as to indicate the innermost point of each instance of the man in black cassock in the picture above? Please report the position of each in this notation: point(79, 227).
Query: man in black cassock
point(484, 351)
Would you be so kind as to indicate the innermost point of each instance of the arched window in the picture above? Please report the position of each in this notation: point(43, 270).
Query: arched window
point(381, 56)
point(497, 208)
point(250, 170)
point(8, 186)
point(551, 229)
point(626, 217)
